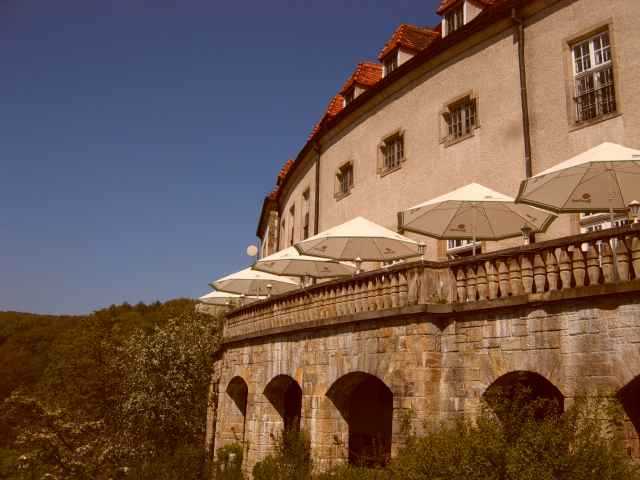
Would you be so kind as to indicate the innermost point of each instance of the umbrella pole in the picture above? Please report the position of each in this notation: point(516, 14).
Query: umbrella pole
point(473, 251)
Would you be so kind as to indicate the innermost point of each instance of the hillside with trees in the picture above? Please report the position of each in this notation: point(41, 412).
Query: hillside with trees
point(120, 392)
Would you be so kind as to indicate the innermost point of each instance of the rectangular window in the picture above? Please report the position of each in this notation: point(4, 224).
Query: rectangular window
point(283, 232)
point(390, 63)
point(454, 19)
point(305, 214)
point(462, 247)
point(593, 78)
point(594, 222)
point(392, 152)
point(344, 178)
point(292, 215)
point(461, 119)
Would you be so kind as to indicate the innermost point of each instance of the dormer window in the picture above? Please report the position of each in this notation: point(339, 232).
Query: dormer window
point(349, 95)
point(454, 19)
point(390, 63)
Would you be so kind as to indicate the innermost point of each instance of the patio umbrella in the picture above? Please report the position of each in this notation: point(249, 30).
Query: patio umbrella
point(252, 282)
point(290, 262)
point(360, 240)
point(474, 212)
point(226, 298)
point(605, 178)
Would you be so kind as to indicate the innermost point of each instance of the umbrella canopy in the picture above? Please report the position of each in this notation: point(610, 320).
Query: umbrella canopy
point(252, 282)
point(226, 298)
point(605, 178)
point(290, 262)
point(359, 239)
point(474, 212)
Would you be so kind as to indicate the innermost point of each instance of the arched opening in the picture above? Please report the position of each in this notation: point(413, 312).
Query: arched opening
point(285, 395)
point(238, 392)
point(629, 397)
point(523, 393)
point(366, 404)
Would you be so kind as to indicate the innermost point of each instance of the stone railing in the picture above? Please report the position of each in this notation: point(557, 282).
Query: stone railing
point(592, 259)
point(561, 264)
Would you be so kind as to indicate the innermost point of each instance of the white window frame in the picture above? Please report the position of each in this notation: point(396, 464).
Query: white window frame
point(593, 77)
point(455, 18)
point(456, 247)
point(460, 119)
point(391, 61)
point(344, 189)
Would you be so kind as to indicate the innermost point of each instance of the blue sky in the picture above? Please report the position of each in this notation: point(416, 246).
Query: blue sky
point(138, 138)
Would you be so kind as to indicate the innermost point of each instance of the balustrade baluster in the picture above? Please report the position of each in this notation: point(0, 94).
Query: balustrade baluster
point(607, 262)
point(371, 294)
point(379, 293)
point(461, 285)
point(471, 283)
point(413, 282)
point(564, 266)
point(635, 255)
point(481, 282)
point(539, 273)
point(622, 253)
point(578, 266)
point(349, 308)
point(503, 278)
point(593, 264)
point(403, 290)
point(386, 282)
point(492, 279)
point(515, 276)
point(526, 270)
point(552, 271)
point(394, 290)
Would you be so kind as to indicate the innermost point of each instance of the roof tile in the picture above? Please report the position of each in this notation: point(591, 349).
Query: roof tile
point(366, 74)
point(409, 37)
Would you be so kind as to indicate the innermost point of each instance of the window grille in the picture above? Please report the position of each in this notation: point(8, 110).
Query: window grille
point(593, 75)
point(345, 179)
point(461, 119)
point(292, 214)
point(392, 152)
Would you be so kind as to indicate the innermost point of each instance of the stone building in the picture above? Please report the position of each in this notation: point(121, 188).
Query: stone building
point(498, 91)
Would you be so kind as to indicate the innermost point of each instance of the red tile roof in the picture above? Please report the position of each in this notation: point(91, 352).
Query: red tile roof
point(366, 74)
point(447, 4)
point(335, 106)
point(409, 37)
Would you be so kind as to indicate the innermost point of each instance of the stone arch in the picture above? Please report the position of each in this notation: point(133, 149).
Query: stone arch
point(524, 387)
point(629, 397)
point(238, 392)
point(285, 394)
point(366, 405)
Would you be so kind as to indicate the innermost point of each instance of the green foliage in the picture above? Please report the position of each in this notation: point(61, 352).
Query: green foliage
point(229, 462)
point(291, 461)
point(118, 393)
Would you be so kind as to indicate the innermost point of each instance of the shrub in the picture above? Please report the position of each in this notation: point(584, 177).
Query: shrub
point(229, 462)
point(291, 461)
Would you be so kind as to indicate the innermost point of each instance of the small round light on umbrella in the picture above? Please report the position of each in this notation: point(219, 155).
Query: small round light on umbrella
point(269, 287)
point(358, 265)
point(634, 209)
point(422, 248)
point(526, 234)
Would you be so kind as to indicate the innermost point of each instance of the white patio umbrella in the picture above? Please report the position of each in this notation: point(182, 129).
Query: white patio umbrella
point(605, 178)
point(474, 212)
point(360, 240)
point(226, 298)
point(255, 283)
point(290, 262)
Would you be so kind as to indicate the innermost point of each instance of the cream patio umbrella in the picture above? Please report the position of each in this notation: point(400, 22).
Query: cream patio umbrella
point(360, 240)
point(255, 283)
point(226, 299)
point(605, 178)
point(290, 262)
point(474, 212)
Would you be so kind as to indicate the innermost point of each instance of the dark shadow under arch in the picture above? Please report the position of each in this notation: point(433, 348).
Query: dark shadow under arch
point(629, 397)
point(285, 395)
point(238, 391)
point(515, 391)
point(366, 404)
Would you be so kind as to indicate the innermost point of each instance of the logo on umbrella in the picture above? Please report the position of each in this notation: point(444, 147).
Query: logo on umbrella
point(389, 251)
point(460, 228)
point(586, 198)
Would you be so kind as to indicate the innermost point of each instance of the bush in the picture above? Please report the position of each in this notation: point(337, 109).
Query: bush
point(229, 462)
point(292, 460)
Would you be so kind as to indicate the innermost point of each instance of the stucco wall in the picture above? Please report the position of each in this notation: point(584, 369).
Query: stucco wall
point(494, 156)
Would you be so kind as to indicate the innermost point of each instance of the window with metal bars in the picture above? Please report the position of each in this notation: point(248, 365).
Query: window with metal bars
point(305, 214)
point(344, 179)
point(292, 215)
point(461, 119)
point(593, 78)
point(392, 152)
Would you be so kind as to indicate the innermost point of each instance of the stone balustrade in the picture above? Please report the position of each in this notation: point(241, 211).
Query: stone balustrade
point(565, 263)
